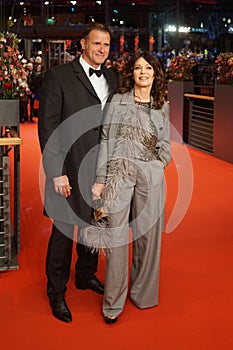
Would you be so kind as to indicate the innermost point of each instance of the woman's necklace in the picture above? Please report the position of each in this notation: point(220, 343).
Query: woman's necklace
point(144, 104)
point(138, 101)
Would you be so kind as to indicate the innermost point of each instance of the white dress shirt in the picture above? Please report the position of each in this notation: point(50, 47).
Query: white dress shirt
point(99, 84)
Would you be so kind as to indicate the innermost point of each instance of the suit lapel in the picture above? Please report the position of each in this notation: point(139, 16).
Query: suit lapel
point(111, 82)
point(81, 75)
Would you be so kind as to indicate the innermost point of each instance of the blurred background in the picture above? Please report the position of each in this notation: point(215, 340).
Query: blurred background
point(140, 24)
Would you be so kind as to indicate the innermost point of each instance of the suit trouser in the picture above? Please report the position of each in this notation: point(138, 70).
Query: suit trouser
point(145, 188)
point(59, 256)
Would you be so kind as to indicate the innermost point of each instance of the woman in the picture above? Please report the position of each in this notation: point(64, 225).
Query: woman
point(134, 150)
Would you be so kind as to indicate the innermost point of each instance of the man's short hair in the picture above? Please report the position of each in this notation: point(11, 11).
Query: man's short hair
point(95, 26)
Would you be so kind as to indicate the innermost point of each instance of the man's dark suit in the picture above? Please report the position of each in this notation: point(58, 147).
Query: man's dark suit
point(67, 93)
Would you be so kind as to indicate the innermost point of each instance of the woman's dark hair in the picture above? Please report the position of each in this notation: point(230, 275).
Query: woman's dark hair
point(158, 87)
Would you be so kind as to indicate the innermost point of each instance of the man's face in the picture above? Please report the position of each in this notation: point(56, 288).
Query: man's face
point(30, 66)
point(96, 47)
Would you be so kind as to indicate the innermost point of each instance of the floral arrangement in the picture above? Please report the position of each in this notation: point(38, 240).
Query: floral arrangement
point(224, 64)
point(12, 67)
point(180, 68)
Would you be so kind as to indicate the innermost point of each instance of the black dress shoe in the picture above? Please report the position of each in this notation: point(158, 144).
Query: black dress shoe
point(59, 308)
point(109, 320)
point(93, 284)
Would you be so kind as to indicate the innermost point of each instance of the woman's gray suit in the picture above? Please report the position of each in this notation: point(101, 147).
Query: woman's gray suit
point(137, 184)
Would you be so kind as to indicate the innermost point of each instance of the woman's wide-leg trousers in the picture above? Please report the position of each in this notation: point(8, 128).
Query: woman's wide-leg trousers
point(141, 192)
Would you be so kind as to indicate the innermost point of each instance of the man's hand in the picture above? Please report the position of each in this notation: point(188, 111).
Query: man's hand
point(62, 185)
point(97, 190)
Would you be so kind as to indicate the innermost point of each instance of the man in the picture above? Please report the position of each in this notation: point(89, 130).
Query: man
point(71, 96)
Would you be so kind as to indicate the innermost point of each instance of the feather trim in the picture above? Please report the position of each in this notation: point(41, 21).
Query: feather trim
point(101, 238)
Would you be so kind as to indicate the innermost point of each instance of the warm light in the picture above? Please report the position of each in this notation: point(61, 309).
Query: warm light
point(46, 3)
point(122, 43)
point(73, 2)
point(136, 43)
point(121, 22)
point(151, 42)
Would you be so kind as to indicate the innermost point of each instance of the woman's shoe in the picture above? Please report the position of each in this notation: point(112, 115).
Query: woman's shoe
point(110, 320)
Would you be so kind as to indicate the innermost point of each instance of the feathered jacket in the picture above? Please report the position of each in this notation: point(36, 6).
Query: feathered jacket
point(132, 132)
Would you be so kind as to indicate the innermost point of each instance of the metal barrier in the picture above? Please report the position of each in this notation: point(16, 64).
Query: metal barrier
point(9, 231)
point(199, 121)
point(5, 224)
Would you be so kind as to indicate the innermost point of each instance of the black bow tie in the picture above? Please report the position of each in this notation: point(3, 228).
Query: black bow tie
point(98, 72)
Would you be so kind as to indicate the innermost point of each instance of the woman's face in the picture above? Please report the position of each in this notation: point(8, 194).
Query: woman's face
point(143, 73)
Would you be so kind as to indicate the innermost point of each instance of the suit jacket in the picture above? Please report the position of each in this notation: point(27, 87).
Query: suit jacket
point(119, 113)
point(69, 123)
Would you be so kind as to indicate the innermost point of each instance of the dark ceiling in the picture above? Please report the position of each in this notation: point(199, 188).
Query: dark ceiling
point(134, 13)
point(141, 16)
point(34, 6)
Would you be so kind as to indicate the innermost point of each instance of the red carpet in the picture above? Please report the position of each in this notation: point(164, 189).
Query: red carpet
point(196, 289)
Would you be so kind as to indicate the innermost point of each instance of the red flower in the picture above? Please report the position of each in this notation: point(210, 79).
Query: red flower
point(7, 86)
point(180, 68)
point(224, 64)
point(11, 66)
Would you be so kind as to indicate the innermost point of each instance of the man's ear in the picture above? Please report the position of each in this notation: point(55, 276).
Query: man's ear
point(83, 44)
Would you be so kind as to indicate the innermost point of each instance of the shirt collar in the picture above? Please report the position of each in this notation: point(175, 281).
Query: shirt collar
point(86, 65)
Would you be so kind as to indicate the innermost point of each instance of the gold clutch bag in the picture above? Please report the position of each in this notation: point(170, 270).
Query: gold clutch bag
point(99, 212)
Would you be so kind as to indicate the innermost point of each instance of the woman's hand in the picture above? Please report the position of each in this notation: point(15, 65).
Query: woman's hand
point(62, 185)
point(97, 190)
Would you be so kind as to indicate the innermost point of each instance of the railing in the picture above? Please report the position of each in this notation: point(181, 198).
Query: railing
point(9, 224)
point(205, 90)
point(199, 120)
point(202, 121)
